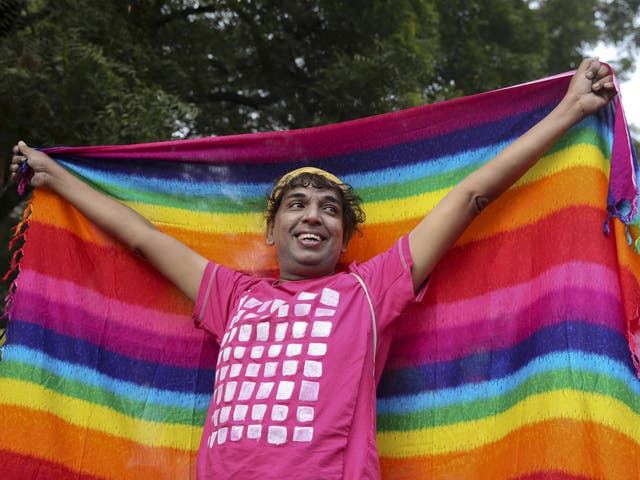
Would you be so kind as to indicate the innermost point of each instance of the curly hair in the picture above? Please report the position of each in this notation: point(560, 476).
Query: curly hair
point(352, 212)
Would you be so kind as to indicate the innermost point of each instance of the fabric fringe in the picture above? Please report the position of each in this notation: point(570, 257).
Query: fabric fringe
point(19, 236)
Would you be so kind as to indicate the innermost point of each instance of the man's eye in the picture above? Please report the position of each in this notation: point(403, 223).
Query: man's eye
point(331, 209)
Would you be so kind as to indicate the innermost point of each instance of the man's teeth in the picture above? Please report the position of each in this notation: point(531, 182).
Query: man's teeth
point(309, 236)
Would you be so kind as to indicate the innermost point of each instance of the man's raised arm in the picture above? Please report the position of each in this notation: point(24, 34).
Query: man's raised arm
point(181, 265)
point(591, 88)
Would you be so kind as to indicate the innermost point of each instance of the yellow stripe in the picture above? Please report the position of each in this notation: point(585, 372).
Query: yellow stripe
point(414, 207)
point(97, 417)
point(581, 155)
point(205, 222)
point(567, 404)
point(418, 206)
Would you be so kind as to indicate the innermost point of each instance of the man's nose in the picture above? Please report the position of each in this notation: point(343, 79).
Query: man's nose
point(312, 214)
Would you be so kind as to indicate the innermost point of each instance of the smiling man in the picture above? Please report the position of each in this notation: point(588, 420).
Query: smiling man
point(297, 359)
point(300, 355)
point(311, 217)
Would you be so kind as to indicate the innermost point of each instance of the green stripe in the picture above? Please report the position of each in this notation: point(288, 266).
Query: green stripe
point(589, 382)
point(142, 410)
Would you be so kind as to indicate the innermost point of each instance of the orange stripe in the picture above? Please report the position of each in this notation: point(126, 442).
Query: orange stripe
point(531, 202)
point(583, 449)
point(42, 435)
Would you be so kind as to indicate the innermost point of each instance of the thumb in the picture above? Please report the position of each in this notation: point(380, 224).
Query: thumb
point(24, 148)
point(33, 158)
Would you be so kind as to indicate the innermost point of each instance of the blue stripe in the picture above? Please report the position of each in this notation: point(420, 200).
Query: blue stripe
point(220, 188)
point(467, 139)
point(230, 181)
point(93, 378)
point(496, 364)
point(114, 365)
point(403, 154)
point(575, 360)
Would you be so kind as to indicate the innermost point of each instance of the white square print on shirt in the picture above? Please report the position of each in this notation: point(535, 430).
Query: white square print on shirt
point(270, 368)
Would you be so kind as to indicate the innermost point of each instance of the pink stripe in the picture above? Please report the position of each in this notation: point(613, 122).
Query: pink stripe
point(124, 315)
point(166, 338)
point(444, 332)
point(342, 138)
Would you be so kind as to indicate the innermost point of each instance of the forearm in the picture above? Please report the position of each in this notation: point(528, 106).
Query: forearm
point(496, 176)
point(181, 265)
point(590, 89)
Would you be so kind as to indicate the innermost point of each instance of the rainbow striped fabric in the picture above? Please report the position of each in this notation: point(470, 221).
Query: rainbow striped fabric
point(516, 365)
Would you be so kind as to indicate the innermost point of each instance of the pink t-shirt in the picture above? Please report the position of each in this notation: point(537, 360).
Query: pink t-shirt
point(294, 393)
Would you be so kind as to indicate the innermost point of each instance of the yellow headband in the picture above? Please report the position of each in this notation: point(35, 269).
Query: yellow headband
point(287, 177)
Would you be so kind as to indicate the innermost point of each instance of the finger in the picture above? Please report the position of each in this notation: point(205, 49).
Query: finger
point(604, 70)
point(18, 159)
point(18, 169)
point(20, 149)
point(24, 148)
point(590, 66)
point(605, 83)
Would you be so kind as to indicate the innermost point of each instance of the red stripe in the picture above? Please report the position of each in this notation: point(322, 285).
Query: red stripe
point(112, 272)
point(14, 466)
point(508, 258)
point(513, 257)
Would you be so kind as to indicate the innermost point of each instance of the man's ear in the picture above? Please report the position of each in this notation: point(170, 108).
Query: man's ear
point(270, 240)
point(345, 243)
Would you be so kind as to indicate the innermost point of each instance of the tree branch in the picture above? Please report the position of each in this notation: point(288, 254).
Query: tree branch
point(254, 101)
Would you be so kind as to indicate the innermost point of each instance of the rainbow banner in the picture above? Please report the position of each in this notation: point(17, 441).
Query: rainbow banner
point(518, 364)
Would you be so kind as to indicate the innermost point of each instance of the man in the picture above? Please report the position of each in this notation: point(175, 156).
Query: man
point(300, 355)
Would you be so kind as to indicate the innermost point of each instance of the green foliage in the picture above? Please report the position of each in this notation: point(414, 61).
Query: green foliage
point(488, 44)
point(116, 71)
point(281, 64)
point(65, 83)
point(568, 38)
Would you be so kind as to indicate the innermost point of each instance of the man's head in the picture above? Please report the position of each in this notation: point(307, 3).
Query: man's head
point(311, 216)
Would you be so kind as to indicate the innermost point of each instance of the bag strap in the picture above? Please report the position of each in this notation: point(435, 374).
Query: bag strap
point(373, 318)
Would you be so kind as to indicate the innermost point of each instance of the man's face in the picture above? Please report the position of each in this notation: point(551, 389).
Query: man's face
point(308, 233)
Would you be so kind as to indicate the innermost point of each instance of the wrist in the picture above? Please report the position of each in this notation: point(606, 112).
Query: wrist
point(56, 177)
point(570, 111)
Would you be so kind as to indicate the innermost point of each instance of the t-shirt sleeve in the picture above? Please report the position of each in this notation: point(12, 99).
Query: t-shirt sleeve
point(217, 295)
point(388, 280)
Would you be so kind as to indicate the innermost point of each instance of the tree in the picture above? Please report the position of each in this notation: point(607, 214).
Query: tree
point(118, 71)
point(128, 71)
